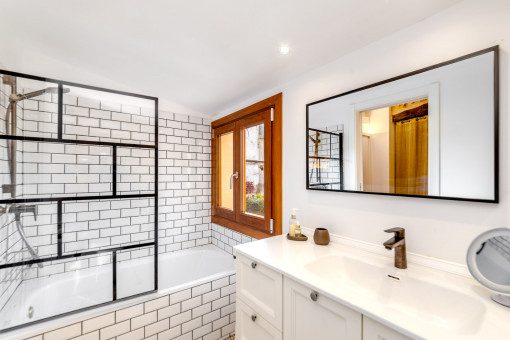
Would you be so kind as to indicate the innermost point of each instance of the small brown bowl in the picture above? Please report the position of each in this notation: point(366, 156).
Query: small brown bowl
point(321, 236)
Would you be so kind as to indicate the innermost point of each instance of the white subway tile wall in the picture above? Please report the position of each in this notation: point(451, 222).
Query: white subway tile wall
point(60, 170)
point(94, 225)
point(184, 182)
point(135, 171)
point(202, 312)
point(91, 119)
point(226, 239)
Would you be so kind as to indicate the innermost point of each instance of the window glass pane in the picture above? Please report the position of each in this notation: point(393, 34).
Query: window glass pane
point(226, 170)
point(254, 170)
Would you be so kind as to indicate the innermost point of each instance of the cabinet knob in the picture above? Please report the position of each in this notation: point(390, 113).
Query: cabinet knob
point(314, 296)
point(253, 265)
point(253, 317)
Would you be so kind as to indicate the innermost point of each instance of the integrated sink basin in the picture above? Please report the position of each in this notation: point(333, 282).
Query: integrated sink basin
point(414, 293)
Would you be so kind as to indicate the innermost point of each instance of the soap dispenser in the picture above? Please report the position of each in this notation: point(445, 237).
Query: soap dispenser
point(293, 223)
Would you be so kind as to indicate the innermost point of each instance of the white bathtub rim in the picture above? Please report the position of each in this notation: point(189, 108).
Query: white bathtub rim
point(61, 322)
point(75, 317)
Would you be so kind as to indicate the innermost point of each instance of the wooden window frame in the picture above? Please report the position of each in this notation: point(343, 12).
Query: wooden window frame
point(232, 221)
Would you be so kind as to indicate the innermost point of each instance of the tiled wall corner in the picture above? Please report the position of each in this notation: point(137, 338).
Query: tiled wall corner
point(184, 181)
point(226, 239)
point(10, 241)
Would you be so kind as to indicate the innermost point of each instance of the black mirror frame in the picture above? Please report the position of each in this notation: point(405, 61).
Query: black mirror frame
point(493, 49)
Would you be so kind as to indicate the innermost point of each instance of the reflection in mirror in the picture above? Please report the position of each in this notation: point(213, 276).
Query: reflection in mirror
point(394, 148)
point(488, 260)
point(325, 157)
point(493, 259)
point(429, 133)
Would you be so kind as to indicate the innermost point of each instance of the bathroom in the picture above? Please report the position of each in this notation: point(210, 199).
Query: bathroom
point(115, 156)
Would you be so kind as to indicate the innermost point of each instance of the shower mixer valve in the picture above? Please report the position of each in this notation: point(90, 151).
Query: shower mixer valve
point(17, 210)
point(7, 188)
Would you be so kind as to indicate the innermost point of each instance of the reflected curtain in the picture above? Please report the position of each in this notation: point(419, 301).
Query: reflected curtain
point(411, 156)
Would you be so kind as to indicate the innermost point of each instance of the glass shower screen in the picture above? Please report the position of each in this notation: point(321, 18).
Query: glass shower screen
point(78, 213)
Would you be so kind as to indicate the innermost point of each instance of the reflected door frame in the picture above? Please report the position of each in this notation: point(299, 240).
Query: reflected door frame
point(431, 92)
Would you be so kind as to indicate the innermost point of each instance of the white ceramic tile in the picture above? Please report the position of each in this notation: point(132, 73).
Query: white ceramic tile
point(180, 296)
point(180, 318)
point(191, 303)
point(128, 313)
point(170, 333)
point(157, 327)
point(144, 320)
point(99, 322)
point(169, 311)
point(191, 325)
point(213, 336)
point(156, 304)
point(115, 330)
point(137, 334)
point(89, 336)
point(65, 333)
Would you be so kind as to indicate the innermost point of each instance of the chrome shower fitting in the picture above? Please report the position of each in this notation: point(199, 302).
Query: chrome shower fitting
point(11, 128)
point(16, 97)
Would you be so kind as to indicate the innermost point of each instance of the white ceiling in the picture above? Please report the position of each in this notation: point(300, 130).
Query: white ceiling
point(197, 56)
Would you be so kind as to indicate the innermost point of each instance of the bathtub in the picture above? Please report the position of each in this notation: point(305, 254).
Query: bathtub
point(67, 292)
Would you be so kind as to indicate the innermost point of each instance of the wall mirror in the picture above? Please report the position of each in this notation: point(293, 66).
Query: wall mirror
point(429, 133)
point(488, 260)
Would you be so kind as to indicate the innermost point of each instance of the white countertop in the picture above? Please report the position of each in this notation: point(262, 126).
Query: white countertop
point(464, 308)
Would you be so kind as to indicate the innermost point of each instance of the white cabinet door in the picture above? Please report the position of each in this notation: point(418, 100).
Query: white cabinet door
point(306, 319)
point(260, 288)
point(373, 330)
point(252, 326)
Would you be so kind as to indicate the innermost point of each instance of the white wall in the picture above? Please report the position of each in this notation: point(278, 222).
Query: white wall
point(436, 228)
point(28, 59)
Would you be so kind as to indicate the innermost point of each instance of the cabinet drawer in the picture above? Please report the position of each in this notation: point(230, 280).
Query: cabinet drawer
point(373, 330)
point(309, 315)
point(260, 288)
point(252, 326)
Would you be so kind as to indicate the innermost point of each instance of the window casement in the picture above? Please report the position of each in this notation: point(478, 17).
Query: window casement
point(246, 169)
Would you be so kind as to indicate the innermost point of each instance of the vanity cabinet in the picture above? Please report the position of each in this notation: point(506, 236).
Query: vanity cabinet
point(270, 306)
point(261, 289)
point(373, 330)
point(251, 326)
point(309, 315)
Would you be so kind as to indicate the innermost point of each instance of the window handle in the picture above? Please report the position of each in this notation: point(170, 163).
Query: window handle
point(236, 175)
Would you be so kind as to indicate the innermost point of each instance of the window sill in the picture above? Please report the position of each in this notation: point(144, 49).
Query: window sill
point(241, 228)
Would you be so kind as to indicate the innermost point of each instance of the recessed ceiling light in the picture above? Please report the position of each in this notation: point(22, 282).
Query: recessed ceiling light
point(284, 49)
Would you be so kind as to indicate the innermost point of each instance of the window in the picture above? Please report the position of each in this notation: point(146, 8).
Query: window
point(246, 169)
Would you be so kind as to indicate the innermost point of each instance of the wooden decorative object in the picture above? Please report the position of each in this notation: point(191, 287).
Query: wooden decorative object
point(297, 238)
point(321, 236)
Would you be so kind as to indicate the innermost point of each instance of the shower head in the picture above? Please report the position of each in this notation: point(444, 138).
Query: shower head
point(52, 90)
